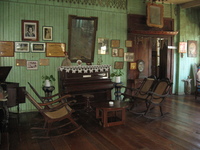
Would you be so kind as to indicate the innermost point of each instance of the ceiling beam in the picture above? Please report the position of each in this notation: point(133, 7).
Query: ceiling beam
point(191, 4)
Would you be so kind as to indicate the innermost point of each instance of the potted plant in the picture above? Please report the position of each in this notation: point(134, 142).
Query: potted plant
point(117, 74)
point(47, 80)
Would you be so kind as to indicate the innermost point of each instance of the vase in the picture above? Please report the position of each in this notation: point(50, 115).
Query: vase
point(47, 83)
point(117, 79)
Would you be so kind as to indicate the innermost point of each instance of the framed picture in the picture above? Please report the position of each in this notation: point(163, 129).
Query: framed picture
point(115, 43)
point(128, 43)
point(6, 49)
point(103, 45)
point(119, 65)
point(81, 38)
point(129, 57)
point(133, 66)
point(155, 15)
point(55, 49)
point(120, 52)
point(30, 30)
point(182, 47)
point(37, 47)
point(47, 33)
point(32, 65)
point(115, 52)
point(192, 48)
point(22, 47)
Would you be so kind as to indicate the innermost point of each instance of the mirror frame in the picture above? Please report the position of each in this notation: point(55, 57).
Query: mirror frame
point(81, 38)
point(155, 15)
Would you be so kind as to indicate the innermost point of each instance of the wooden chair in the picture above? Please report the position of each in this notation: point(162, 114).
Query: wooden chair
point(54, 115)
point(197, 91)
point(155, 97)
point(44, 99)
point(141, 92)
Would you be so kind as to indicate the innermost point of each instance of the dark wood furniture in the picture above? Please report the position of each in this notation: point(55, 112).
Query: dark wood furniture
point(54, 116)
point(80, 80)
point(197, 90)
point(14, 91)
point(111, 113)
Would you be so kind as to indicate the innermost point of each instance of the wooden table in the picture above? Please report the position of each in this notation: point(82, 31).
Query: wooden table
point(111, 114)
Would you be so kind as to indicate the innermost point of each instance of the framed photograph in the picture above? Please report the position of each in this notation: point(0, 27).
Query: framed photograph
point(81, 38)
point(182, 47)
point(120, 52)
point(47, 33)
point(192, 48)
point(32, 65)
point(103, 45)
point(133, 66)
point(115, 43)
point(55, 49)
point(38, 47)
point(30, 30)
point(119, 65)
point(129, 57)
point(22, 47)
point(155, 15)
point(6, 49)
point(114, 52)
point(128, 43)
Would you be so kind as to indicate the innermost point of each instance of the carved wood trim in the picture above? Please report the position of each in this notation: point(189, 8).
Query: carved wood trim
point(143, 32)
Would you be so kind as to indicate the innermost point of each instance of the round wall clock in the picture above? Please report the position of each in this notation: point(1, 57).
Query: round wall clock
point(140, 65)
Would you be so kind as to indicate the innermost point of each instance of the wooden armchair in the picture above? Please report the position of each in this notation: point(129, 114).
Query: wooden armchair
point(155, 97)
point(197, 91)
point(55, 115)
point(140, 92)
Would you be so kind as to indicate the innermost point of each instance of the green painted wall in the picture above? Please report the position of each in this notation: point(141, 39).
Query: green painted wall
point(112, 24)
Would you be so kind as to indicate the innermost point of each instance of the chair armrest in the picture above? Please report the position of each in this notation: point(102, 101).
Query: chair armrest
point(50, 97)
point(155, 94)
point(55, 101)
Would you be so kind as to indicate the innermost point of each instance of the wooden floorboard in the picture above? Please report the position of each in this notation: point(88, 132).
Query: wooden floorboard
point(178, 130)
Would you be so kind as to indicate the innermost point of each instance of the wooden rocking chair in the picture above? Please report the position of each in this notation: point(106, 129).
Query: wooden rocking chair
point(141, 92)
point(54, 115)
point(155, 97)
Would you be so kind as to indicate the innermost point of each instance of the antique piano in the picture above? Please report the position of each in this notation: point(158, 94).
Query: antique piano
point(80, 80)
point(15, 93)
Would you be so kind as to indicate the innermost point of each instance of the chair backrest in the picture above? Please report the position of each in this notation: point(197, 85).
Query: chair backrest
point(146, 86)
point(32, 100)
point(41, 99)
point(162, 87)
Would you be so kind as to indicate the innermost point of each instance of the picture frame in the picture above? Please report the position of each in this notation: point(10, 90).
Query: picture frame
point(191, 48)
point(103, 46)
point(182, 47)
point(47, 33)
point(120, 52)
point(119, 65)
point(32, 65)
point(82, 46)
point(22, 47)
point(55, 49)
point(30, 30)
point(129, 56)
point(6, 49)
point(38, 47)
point(129, 43)
point(114, 52)
point(114, 43)
point(133, 65)
point(155, 15)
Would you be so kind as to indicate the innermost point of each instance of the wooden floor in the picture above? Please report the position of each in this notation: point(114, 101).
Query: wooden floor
point(178, 130)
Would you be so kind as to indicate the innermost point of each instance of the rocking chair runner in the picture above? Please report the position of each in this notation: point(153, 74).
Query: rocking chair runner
point(156, 97)
point(54, 115)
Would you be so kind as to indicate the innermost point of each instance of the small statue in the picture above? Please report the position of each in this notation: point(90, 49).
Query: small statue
point(66, 61)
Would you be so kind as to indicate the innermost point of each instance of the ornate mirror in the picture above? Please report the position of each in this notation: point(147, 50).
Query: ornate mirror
point(81, 39)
